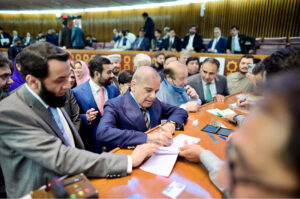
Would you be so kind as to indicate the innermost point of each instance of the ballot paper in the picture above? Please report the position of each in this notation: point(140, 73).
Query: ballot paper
point(162, 162)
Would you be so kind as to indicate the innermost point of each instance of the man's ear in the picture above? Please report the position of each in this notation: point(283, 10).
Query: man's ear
point(169, 78)
point(33, 82)
point(132, 85)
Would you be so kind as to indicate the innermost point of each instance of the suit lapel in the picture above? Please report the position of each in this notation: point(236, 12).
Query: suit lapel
point(218, 85)
point(201, 91)
point(133, 112)
point(87, 91)
point(153, 117)
point(41, 111)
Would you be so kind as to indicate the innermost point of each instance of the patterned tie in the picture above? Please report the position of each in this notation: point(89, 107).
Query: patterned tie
point(209, 97)
point(102, 100)
point(59, 124)
point(144, 112)
point(232, 44)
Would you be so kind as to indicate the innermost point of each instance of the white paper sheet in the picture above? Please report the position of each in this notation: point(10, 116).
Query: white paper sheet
point(162, 162)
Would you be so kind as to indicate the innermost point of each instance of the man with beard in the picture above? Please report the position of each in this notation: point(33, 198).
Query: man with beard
point(115, 61)
point(238, 81)
point(5, 76)
point(129, 116)
point(91, 97)
point(38, 139)
point(192, 41)
point(158, 65)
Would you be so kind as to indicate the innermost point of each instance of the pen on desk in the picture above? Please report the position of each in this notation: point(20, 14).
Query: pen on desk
point(224, 138)
point(244, 98)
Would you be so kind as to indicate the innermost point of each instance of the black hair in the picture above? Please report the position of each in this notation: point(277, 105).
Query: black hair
point(169, 56)
point(158, 54)
point(192, 59)
point(96, 64)
point(212, 61)
point(145, 14)
point(34, 59)
point(169, 71)
point(248, 56)
point(194, 25)
point(236, 27)
point(124, 32)
point(4, 60)
point(125, 76)
point(172, 29)
point(158, 30)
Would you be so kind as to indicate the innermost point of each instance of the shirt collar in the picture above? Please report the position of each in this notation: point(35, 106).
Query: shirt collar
point(236, 36)
point(212, 82)
point(36, 96)
point(95, 87)
point(135, 99)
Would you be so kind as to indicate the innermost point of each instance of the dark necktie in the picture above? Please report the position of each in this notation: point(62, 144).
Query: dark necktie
point(144, 112)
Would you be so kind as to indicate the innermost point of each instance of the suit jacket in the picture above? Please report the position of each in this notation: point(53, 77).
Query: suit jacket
point(123, 123)
point(176, 44)
point(77, 38)
point(65, 37)
point(220, 46)
point(73, 110)
point(33, 148)
point(6, 36)
point(85, 99)
point(144, 46)
point(197, 43)
point(149, 28)
point(242, 42)
point(195, 81)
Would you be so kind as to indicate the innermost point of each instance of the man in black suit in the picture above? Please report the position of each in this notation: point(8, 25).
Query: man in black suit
point(236, 43)
point(192, 41)
point(64, 39)
point(208, 84)
point(141, 43)
point(173, 43)
point(149, 26)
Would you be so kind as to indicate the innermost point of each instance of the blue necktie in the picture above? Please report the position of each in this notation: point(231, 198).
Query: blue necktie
point(59, 124)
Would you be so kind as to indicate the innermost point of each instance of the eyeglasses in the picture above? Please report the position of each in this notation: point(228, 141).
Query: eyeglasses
point(232, 153)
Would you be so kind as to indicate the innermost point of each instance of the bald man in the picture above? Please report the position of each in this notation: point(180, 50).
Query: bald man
point(127, 118)
point(173, 89)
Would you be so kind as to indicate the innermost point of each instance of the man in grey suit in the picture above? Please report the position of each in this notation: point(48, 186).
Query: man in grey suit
point(208, 84)
point(37, 138)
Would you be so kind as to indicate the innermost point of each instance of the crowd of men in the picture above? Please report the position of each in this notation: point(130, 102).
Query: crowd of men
point(61, 117)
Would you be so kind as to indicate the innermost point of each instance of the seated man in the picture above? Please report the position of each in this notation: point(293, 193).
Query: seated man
point(141, 43)
point(91, 97)
point(173, 43)
point(259, 164)
point(173, 90)
point(193, 65)
point(38, 140)
point(192, 41)
point(128, 117)
point(218, 43)
point(208, 84)
point(142, 59)
point(238, 81)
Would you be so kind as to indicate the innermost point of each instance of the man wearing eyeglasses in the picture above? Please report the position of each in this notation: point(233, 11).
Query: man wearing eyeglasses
point(5, 76)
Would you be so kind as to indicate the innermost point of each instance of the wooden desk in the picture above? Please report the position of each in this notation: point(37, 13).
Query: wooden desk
point(146, 185)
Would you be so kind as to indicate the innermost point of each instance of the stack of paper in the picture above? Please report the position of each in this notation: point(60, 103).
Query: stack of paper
point(221, 113)
point(162, 162)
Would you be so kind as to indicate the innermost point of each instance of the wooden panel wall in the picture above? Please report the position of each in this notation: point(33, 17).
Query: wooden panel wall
point(258, 18)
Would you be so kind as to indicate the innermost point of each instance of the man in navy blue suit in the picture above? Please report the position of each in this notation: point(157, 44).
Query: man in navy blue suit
point(218, 43)
point(141, 42)
point(128, 117)
point(149, 26)
point(91, 97)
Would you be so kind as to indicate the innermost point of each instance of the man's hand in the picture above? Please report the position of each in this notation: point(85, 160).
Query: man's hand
point(191, 92)
point(230, 118)
point(192, 106)
point(241, 103)
point(191, 152)
point(91, 114)
point(169, 127)
point(220, 98)
point(162, 138)
point(141, 152)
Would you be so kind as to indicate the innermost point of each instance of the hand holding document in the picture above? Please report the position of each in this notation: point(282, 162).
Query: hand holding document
point(162, 162)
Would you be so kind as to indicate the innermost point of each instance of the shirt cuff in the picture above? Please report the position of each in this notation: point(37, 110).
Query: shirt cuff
point(129, 164)
point(183, 107)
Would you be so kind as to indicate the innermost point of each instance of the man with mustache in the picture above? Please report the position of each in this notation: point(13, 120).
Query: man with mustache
point(238, 81)
point(128, 117)
point(38, 139)
point(5, 76)
point(91, 97)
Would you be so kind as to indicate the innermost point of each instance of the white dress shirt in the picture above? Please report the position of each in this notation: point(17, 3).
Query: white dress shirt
point(213, 89)
point(190, 44)
point(216, 40)
point(96, 92)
